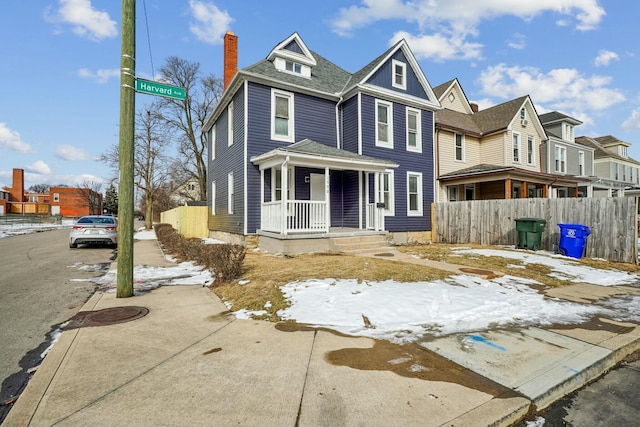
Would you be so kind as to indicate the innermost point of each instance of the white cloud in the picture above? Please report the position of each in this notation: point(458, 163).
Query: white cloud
point(633, 122)
point(11, 140)
point(85, 20)
point(563, 89)
point(517, 41)
point(69, 152)
point(440, 47)
point(605, 57)
point(211, 22)
point(100, 76)
point(38, 167)
point(448, 24)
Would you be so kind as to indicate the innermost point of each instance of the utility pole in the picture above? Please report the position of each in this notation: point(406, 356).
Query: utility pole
point(124, 287)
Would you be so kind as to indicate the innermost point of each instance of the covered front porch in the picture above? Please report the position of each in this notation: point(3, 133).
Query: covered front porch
point(312, 190)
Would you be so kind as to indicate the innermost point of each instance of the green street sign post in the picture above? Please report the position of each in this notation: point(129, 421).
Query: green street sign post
point(155, 88)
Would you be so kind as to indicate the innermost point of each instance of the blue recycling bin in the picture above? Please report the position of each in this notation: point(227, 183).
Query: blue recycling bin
point(573, 239)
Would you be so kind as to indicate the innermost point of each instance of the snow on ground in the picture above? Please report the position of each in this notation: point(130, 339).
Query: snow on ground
point(403, 312)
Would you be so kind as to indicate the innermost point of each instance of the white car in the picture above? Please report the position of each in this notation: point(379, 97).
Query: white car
point(94, 229)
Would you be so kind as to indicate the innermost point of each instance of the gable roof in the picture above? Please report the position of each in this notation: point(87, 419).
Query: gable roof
point(556, 116)
point(484, 122)
point(600, 151)
point(289, 47)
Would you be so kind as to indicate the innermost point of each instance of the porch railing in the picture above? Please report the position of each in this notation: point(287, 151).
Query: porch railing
point(302, 216)
point(375, 217)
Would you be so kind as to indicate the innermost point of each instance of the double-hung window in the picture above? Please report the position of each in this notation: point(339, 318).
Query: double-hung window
point(414, 130)
point(531, 158)
point(384, 124)
point(399, 74)
point(231, 193)
point(414, 194)
point(213, 198)
point(459, 147)
point(230, 124)
point(560, 154)
point(516, 148)
point(282, 116)
point(581, 171)
point(212, 137)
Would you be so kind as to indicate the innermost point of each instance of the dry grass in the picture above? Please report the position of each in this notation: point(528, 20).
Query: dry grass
point(538, 272)
point(266, 273)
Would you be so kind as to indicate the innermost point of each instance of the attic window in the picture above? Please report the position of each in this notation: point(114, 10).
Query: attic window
point(399, 74)
point(293, 67)
point(523, 114)
point(452, 97)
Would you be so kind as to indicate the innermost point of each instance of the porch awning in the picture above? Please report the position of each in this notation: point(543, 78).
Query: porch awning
point(313, 154)
point(486, 172)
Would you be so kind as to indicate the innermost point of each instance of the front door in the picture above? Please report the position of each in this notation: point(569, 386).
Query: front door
point(317, 194)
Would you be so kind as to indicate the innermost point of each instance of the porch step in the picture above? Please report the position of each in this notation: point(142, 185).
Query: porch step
point(359, 244)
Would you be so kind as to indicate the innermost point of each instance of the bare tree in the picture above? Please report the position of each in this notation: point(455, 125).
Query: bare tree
point(187, 117)
point(90, 193)
point(152, 141)
point(39, 188)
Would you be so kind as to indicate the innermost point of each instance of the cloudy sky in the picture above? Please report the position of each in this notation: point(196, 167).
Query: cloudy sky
point(59, 78)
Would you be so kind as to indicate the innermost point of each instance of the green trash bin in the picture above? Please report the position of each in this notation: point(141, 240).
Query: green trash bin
point(529, 232)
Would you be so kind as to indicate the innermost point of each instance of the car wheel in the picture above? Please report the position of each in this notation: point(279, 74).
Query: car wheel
point(73, 245)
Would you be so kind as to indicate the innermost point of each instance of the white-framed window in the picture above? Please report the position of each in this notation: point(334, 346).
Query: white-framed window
point(617, 171)
point(399, 74)
point(560, 155)
point(293, 67)
point(384, 124)
point(231, 194)
point(523, 113)
point(282, 120)
point(56, 197)
point(414, 130)
point(452, 192)
point(459, 146)
point(581, 171)
point(276, 188)
point(531, 152)
point(567, 132)
point(624, 172)
point(212, 136)
point(414, 194)
point(386, 192)
point(213, 198)
point(516, 147)
point(469, 192)
point(230, 124)
point(624, 152)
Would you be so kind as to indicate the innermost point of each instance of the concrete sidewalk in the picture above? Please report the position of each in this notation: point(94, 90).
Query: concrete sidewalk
point(190, 362)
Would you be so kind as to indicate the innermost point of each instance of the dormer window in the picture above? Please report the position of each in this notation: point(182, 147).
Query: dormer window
point(399, 74)
point(567, 132)
point(624, 151)
point(293, 67)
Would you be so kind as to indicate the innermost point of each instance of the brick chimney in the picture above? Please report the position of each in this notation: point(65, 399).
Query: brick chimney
point(474, 107)
point(230, 57)
point(17, 187)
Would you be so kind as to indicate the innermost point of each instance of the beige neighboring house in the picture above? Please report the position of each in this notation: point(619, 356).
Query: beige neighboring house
point(490, 154)
point(616, 174)
point(188, 191)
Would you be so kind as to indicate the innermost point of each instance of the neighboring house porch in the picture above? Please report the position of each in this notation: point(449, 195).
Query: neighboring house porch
point(485, 182)
point(329, 192)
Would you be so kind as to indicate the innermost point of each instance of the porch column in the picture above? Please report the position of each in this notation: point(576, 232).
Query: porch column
point(545, 191)
point(524, 189)
point(327, 199)
point(507, 188)
point(284, 185)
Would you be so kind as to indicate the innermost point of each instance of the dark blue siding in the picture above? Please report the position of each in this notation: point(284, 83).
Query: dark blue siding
point(407, 161)
point(383, 77)
point(349, 123)
point(313, 118)
point(228, 159)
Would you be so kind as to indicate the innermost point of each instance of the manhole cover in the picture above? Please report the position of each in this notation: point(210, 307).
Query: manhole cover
point(476, 271)
point(107, 316)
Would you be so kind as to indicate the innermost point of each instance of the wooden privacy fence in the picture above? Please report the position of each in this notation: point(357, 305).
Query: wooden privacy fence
point(612, 221)
point(189, 221)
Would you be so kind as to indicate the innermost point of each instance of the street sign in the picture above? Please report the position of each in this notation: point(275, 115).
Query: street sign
point(160, 89)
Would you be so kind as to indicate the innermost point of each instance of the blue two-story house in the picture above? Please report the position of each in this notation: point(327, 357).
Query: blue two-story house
point(302, 151)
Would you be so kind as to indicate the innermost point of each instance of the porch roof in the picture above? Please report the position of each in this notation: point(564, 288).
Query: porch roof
point(486, 172)
point(313, 154)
